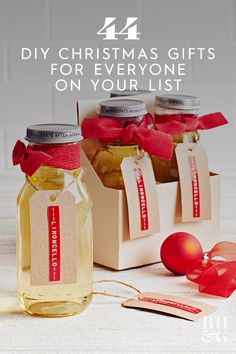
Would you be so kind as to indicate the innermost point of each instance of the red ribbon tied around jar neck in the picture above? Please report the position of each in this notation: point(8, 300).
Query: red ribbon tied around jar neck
point(30, 158)
point(216, 276)
point(108, 130)
point(181, 123)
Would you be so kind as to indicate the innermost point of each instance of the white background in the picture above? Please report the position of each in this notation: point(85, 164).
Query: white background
point(27, 96)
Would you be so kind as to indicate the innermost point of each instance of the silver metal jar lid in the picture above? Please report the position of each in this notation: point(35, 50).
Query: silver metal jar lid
point(122, 108)
point(129, 93)
point(177, 101)
point(53, 133)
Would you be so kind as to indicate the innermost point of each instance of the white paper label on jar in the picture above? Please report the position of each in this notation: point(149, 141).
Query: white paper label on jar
point(194, 182)
point(53, 238)
point(141, 193)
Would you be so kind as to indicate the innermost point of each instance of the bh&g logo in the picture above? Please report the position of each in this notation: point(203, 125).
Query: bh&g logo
point(215, 329)
point(130, 30)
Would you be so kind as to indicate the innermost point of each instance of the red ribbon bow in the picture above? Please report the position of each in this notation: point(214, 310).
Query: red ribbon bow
point(30, 158)
point(214, 276)
point(181, 123)
point(108, 130)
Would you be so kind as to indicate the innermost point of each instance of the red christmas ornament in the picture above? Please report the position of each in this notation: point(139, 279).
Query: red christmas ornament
point(179, 251)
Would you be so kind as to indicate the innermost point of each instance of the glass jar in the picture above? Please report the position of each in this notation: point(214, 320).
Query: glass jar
point(56, 298)
point(179, 108)
point(108, 158)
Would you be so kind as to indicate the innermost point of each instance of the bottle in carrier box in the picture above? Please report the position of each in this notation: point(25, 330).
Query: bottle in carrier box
point(108, 158)
point(168, 110)
point(124, 129)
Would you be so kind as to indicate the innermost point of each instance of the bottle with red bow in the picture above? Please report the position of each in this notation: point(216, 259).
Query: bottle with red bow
point(124, 129)
point(54, 223)
point(172, 114)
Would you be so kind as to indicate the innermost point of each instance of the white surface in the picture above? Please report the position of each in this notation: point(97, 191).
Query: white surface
point(105, 326)
point(27, 93)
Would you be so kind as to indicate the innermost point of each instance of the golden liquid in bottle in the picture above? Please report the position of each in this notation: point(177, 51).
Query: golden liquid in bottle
point(107, 163)
point(60, 299)
point(167, 171)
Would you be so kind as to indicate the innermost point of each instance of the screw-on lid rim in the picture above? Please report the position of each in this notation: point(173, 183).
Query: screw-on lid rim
point(53, 133)
point(122, 108)
point(177, 101)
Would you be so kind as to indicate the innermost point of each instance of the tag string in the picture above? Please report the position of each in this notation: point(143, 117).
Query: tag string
point(140, 154)
point(55, 195)
point(114, 295)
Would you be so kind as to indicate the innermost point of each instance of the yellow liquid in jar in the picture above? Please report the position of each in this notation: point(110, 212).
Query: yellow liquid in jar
point(107, 163)
point(167, 171)
point(60, 299)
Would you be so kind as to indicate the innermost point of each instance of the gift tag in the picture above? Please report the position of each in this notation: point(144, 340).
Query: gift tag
point(53, 238)
point(140, 187)
point(194, 182)
point(71, 186)
point(173, 305)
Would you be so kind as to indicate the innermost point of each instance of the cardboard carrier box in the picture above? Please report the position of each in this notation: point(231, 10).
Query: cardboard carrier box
point(113, 246)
